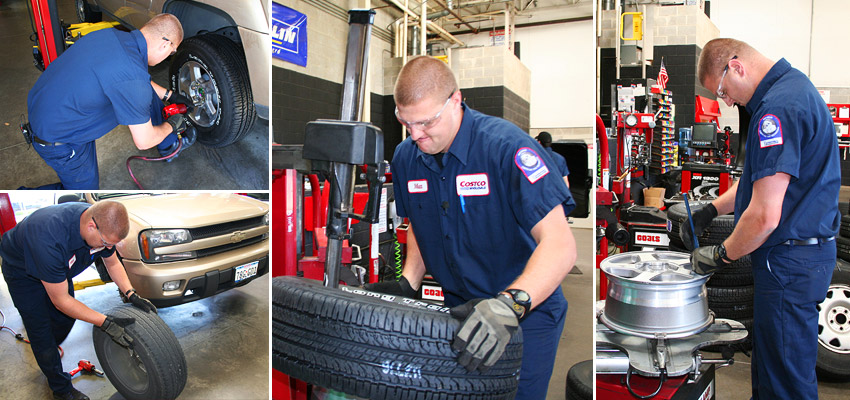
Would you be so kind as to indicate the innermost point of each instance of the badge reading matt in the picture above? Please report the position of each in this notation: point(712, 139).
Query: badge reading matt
point(72, 261)
point(530, 164)
point(770, 131)
point(473, 185)
point(417, 186)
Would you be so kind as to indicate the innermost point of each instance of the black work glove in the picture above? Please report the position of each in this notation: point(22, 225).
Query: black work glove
point(114, 327)
point(142, 303)
point(707, 260)
point(400, 287)
point(702, 217)
point(488, 325)
point(177, 122)
point(189, 136)
point(177, 98)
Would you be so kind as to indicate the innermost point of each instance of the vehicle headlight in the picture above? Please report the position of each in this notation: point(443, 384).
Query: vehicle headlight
point(153, 239)
point(266, 219)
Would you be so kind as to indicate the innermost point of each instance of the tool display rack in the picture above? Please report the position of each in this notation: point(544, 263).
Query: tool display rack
point(664, 134)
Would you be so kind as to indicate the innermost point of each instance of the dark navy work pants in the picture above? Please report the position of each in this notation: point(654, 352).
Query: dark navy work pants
point(76, 164)
point(541, 333)
point(46, 328)
point(790, 281)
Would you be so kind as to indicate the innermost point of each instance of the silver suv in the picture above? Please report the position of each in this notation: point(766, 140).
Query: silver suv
point(222, 64)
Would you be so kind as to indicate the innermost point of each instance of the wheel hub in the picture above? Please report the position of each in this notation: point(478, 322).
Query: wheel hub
point(834, 319)
point(195, 82)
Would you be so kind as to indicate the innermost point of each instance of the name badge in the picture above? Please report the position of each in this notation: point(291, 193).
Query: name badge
point(473, 185)
point(417, 186)
point(72, 261)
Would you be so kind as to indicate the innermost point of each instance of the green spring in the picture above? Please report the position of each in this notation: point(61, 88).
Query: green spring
point(398, 256)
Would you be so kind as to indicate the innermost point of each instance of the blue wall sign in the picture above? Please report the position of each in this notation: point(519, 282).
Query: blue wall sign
point(289, 35)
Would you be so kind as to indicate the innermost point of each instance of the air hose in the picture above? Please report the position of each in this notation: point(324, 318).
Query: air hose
point(398, 257)
point(164, 158)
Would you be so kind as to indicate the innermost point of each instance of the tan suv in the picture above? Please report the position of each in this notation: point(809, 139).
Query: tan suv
point(184, 247)
point(222, 64)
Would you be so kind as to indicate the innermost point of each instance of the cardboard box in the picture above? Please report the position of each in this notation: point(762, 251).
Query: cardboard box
point(653, 197)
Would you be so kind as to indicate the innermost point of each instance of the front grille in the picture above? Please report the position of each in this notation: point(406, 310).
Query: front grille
point(230, 246)
point(225, 228)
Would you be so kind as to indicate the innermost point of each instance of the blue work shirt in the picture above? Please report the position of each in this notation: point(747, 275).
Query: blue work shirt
point(791, 131)
point(47, 246)
point(98, 83)
point(472, 218)
point(559, 160)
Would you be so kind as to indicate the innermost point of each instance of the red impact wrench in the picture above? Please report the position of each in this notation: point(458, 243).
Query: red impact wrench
point(86, 366)
point(167, 112)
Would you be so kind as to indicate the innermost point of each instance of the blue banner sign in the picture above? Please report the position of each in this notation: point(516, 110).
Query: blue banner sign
point(289, 35)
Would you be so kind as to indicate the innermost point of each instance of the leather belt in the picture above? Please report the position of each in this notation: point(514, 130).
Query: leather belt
point(45, 143)
point(808, 242)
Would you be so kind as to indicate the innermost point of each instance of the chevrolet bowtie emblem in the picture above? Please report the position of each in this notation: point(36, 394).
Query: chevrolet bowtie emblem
point(237, 237)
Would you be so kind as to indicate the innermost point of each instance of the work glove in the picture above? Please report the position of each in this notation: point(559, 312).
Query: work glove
point(189, 136)
point(177, 98)
point(141, 302)
point(702, 217)
point(488, 325)
point(177, 122)
point(707, 260)
point(114, 327)
point(400, 287)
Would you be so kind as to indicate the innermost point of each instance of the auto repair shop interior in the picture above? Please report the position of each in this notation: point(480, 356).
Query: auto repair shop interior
point(683, 138)
point(209, 164)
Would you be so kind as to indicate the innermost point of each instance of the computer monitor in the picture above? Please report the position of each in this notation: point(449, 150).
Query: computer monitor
point(704, 135)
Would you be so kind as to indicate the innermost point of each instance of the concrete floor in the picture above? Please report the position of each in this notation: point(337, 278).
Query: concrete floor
point(577, 338)
point(225, 339)
point(241, 166)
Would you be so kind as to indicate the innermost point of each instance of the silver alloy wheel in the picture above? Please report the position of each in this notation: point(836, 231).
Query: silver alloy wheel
point(196, 83)
point(81, 10)
point(834, 319)
point(654, 294)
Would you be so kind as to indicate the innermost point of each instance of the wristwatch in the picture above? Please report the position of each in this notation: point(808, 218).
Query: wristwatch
point(521, 301)
point(721, 252)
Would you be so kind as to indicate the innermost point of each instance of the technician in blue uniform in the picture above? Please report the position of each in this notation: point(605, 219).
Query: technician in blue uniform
point(98, 83)
point(41, 255)
point(786, 209)
point(487, 223)
point(545, 140)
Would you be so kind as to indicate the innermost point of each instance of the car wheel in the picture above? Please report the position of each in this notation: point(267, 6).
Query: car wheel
point(834, 327)
point(155, 368)
point(211, 71)
point(378, 346)
point(85, 12)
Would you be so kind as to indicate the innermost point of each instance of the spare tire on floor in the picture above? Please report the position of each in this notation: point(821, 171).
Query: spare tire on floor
point(834, 327)
point(155, 368)
point(580, 381)
point(378, 346)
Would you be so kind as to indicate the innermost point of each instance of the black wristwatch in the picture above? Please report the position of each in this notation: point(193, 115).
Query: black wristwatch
point(721, 253)
point(521, 301)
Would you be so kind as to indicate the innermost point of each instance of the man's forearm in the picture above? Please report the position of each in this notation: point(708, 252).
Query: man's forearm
point(760, 218)
point(147, 135)
point(77, 310)
point(117, 273)
point(725, 204)
point(160, 91)
point(551, 261)
point(414, 264)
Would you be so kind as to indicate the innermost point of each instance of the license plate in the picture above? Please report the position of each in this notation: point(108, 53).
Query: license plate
point(246, 271)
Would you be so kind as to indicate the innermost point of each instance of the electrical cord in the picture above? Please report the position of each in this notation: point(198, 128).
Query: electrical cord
point(649, 396)
point(164, 158)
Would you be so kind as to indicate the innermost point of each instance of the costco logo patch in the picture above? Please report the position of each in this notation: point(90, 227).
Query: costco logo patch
point(473, 185)
point(417, 186)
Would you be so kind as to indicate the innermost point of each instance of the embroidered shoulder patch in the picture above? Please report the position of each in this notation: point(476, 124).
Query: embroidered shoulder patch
point(531, 165)
point(770, 131)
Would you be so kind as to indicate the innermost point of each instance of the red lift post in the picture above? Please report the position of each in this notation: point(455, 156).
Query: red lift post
point(48, 29)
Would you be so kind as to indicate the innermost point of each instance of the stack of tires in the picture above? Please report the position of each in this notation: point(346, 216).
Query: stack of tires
point(730, 290)
point(834, 312)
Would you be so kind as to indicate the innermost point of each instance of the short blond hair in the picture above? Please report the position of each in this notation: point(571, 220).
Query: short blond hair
point(718, 52)
point(424, 77)
point(165, 25)
point(111, 217)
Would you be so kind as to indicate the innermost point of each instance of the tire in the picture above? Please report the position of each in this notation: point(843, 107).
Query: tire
point(211, 70)
point(85, 12)
point(833, 362)
point(843, 246)
point(157, 370)
point(580, 381)
point(101, 270)
point(844, 208)
point(378, 346)
point(845, 226)
point(739, 273)
point(731, 302)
